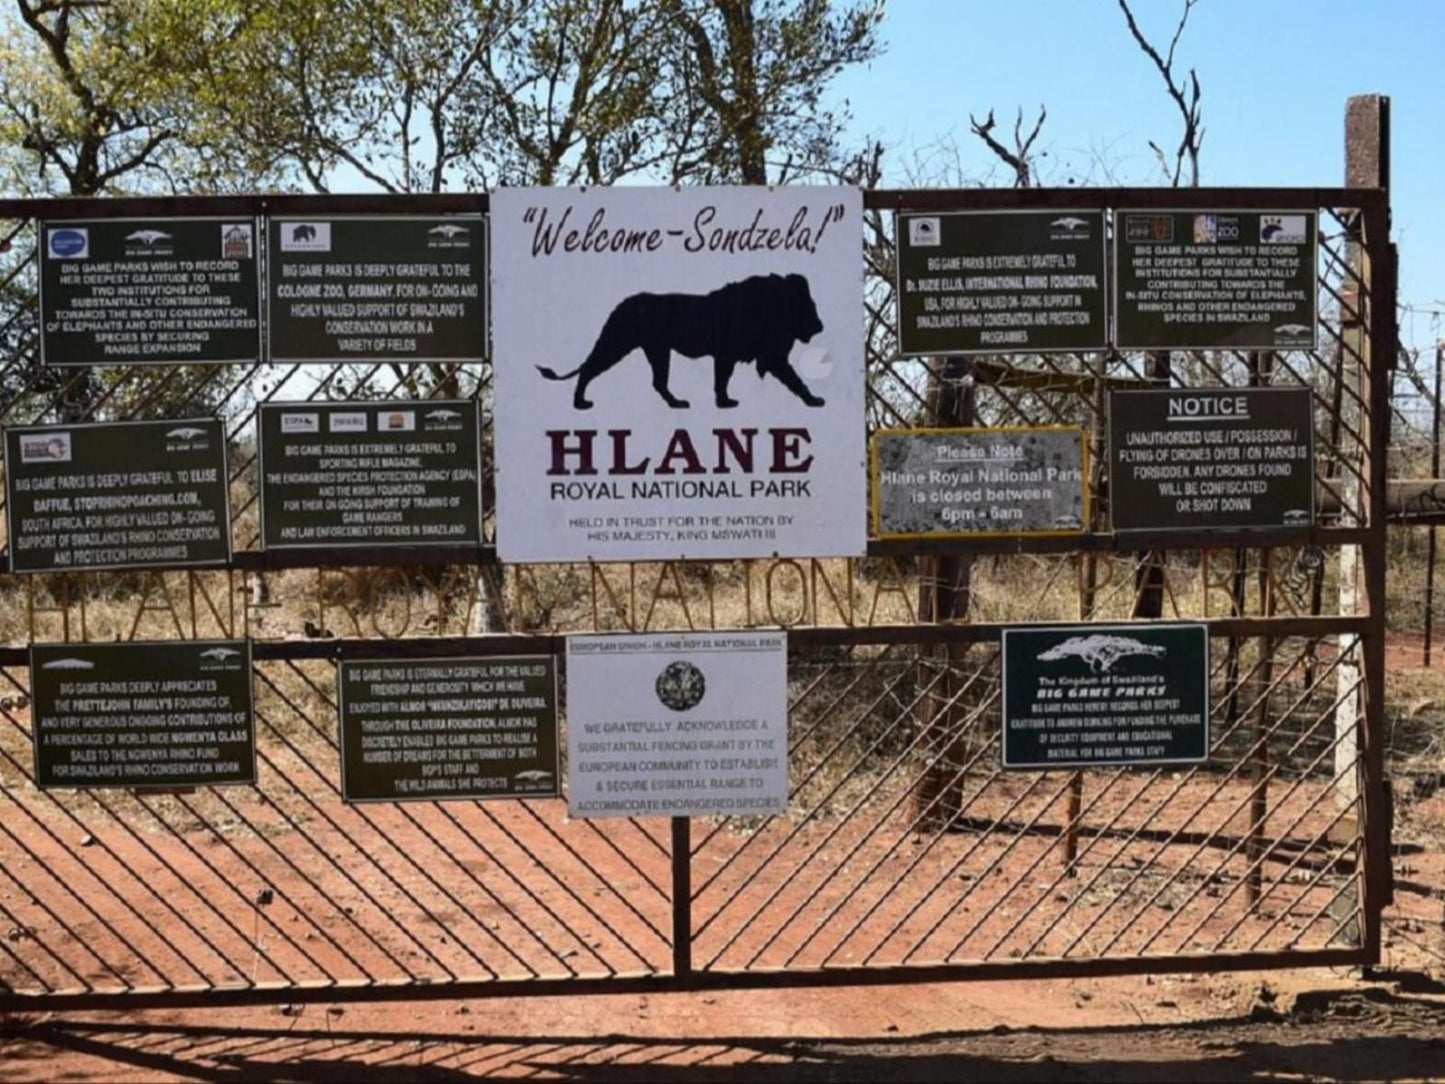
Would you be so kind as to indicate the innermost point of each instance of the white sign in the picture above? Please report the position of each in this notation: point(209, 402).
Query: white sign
point(679, 373)
point(677, 724)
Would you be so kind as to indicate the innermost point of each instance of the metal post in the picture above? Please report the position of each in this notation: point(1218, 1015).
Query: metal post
point(1367, 151)
point(681, 896)
point(1434, 474)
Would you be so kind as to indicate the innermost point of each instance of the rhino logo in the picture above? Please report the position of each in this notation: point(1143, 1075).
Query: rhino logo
point(1292, 329)
point(443, 415)
point(188, 432)
point(1101, 652)
point(448, 231)
point(68, 664)
point(535, 775)
point(304, 232)
point(148, 237)
point(1070, 222)
point(219, 653)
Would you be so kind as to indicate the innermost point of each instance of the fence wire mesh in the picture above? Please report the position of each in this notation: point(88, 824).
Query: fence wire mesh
point(905, 844)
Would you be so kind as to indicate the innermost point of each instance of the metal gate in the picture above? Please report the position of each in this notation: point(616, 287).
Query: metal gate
point(907, 853)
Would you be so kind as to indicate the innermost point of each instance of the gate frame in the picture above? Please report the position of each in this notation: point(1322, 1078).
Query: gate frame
point(1369, 229)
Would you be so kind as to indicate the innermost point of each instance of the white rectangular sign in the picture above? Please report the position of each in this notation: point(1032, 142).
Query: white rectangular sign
point(679, 373)
point(677, 724)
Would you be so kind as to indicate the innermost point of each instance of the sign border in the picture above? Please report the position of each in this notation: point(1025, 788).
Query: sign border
point(1313, 213)
point(371, 359)
point(875, 511)
point(1202, 527)
point(262, 315)
point(250, 715)
point(1083, 765)
point(226, 482)
point(1104, 287)
point(360, 404)
point(346, 799)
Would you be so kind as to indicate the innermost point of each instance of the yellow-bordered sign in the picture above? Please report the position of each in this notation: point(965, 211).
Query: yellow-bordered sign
point(988, 531)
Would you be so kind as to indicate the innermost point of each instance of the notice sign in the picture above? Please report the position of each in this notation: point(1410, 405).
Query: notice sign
point(930, 483)
point(169, 291)
point(1206, 280)
point(448, 728)
point(366, 474)
point(1211, 458)
point(679, 373)
point(1105, 694)
point(677, 724)
point(143, 714)
point(377, 289)
point(996, 281)
point(117, 495)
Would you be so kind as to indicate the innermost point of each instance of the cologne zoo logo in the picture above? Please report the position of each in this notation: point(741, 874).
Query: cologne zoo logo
point(69, 243)
point(1282, 229)
point(305, 236)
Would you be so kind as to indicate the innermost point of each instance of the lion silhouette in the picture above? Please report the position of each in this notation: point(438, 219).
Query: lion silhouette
point(754, 320)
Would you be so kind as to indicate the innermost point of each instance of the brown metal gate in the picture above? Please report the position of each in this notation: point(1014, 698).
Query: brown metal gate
point(907, 854)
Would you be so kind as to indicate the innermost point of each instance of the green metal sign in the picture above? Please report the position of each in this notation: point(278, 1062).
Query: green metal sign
point(170, 714)
point(1207, 459)
point(1195, 280)
point(1085, 695)
point(449, 728)
point(367, 474)
point(163, 291)
point(991, 282)
point(397, 288)
point(117, 495)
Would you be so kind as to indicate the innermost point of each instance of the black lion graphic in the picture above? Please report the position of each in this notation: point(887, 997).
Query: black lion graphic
point(757, 320)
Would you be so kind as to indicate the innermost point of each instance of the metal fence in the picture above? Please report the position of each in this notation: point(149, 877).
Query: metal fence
point(906, 854)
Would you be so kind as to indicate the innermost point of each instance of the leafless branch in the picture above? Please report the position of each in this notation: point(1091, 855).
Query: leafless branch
point(1185, 95)
point(1020, 157)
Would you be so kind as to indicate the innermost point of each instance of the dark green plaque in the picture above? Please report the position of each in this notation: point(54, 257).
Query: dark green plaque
point(370, 474)
point(167, 291)
point(449, 728)
point(377, 289)
point(1085, 695)
point(167, 714)
point(1203, 280)
point(990, 282)
point(117, 495)
point(1205, 459)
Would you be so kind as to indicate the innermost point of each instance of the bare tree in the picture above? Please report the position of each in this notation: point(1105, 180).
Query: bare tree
point(1184, 94)
point(1020, 158)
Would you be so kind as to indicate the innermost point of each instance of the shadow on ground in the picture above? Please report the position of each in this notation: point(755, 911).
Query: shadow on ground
point(1350, 1035)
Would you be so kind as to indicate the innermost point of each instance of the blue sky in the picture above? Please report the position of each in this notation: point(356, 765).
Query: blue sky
point(1275, 77)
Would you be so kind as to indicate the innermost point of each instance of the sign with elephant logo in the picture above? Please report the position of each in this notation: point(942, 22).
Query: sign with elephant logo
point(679, 373)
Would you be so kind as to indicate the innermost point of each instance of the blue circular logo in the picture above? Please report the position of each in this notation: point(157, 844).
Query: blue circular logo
point(67, 242)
